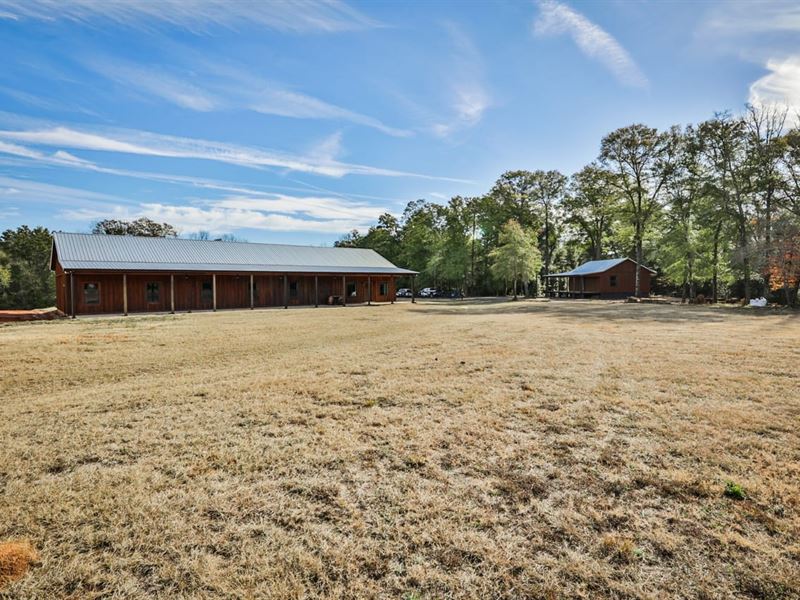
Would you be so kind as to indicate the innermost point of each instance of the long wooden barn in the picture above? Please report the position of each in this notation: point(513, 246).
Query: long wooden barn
point(101, 274)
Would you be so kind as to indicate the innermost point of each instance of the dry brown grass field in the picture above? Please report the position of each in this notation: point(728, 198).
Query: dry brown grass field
point(444, 450)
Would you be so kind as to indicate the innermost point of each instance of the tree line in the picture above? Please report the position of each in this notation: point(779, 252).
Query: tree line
point(713, 207)
point(26, 280)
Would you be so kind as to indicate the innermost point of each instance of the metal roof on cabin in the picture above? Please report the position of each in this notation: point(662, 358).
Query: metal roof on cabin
point(82, 251)
point(593, 267)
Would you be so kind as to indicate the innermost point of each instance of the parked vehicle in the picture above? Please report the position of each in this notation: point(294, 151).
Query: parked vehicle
point(427, 292)
point(403, 293)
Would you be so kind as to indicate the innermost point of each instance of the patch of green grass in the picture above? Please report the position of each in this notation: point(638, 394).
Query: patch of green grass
point(735, 491)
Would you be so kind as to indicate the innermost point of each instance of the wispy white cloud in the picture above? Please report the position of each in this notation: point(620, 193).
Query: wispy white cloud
point(197, 16)
point(151, 144)
point(214, 86)
point(59, 157)
point(270, 212)
point(274, 213)
point(764, 34)
point(287, 103)
point(30, 157)
point(153, 81)
point(768, 16)
point(781, 86)
point(25, 191)
point(224, 220)
point(36, 101)
point(311, 206)
point(469, 96)
point(556, 18)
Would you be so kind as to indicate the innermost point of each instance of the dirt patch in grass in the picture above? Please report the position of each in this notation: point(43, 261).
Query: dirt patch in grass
point(442, 450)
point(16, 558)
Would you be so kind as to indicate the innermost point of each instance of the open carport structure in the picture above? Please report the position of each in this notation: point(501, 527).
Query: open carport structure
point(102, 274)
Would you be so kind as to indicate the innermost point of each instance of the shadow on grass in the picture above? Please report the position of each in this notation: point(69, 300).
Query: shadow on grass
point(604, 310)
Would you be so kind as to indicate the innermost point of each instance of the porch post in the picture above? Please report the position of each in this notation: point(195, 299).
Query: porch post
point(285, 291)
point(252, 293)
point(369, 290)
point(214, 290)
point(393, 289)
point(172, 293)
point(125, 294)
point(72, 293)
point(413, 289)
point(344, 291)
point(316, 291)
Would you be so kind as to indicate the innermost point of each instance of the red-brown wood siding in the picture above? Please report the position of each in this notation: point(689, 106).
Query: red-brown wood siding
point(233, 290)
point(625, 274)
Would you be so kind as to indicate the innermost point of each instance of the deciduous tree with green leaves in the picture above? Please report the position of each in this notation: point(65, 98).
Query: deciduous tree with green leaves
point(516, 258)
point(26, 280)
point(724, 143)
point(141, 227)
point(548, 192)
point(592, 206)
point(640, 157)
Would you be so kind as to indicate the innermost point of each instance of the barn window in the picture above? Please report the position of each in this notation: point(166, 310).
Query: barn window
point(153, 292)
point(384, 289)
point(351, 289)
point(293, 289)
point(206, 291)
point(612, 280)
point(91, 293)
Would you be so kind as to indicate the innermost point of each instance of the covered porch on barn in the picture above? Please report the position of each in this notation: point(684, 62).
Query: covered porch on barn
point(123, 292)
point(567, 285)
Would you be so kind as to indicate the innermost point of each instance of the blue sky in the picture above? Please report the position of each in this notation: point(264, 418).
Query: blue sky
point(299, 121)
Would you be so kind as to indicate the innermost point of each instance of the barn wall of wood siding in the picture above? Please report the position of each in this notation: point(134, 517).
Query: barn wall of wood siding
point(624, 277)
point(193, 291)
point(109, 290)
point(625, 274)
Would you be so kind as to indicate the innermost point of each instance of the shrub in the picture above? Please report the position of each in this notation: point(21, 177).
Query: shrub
point(735, 491)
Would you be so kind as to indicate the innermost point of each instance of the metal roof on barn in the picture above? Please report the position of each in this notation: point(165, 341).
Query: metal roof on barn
point(81, 251)
point(594, 267)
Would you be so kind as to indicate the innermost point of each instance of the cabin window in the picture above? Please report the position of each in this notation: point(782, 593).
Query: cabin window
point(383, 290)
point(153, 292)
point(207, 291)
point(91, 293)
point(351, 289)
point(612, 280)
point(293, 289)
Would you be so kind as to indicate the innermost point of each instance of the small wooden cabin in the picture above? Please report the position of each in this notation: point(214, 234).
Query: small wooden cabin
point(613, 278)
point(98, 274)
